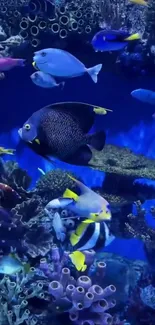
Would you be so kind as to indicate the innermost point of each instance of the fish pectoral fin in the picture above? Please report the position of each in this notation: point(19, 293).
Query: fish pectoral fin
point(87, 221)
point(84, 267)
point(68, 194)
point(74, 239)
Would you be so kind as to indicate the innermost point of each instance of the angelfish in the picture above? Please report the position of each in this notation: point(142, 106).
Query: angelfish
point(88, 205)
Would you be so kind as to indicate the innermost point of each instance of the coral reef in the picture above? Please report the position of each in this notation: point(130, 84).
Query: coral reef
point(85, 301)
point(53, 184)
point(141, 303)
point(16, 297)
point(128, 273)
point(15, 177)
point(123, 162)
point(122, 168)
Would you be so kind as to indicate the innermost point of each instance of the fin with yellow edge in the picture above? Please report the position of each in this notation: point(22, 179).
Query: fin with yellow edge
point(37, 141)
point(74, 239)
point(133, 37)
point(68, 194)
point(87, 221)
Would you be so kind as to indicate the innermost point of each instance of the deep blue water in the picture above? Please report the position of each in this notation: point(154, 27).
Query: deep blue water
point(130, 124)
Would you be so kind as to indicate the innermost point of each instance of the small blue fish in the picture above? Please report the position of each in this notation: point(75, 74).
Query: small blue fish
point(60, 63)
point(44, 80)
point(112, 40)
point(144, 95)
point(58, 227)
point(11, 265)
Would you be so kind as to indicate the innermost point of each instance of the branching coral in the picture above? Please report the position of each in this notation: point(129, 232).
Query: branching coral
point(15, 294)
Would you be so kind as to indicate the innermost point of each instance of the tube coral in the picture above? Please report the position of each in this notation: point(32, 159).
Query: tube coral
point(88, 302)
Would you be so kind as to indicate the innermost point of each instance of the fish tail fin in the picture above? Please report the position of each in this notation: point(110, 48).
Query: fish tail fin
point(133, 37)
point(93, 72)
point(97, 140)
point(61, 85)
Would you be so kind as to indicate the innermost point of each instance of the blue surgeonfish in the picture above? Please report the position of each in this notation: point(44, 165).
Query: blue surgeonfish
point(60, 63)
point(112, 40)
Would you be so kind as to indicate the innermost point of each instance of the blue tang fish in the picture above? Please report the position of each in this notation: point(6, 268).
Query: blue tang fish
point(60, 63)
point(44, 80)
point(144, 95)
point(112, 40)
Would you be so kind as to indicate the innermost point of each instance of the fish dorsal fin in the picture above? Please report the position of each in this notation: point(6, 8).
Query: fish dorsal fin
point(82, 187)
point(68, 194)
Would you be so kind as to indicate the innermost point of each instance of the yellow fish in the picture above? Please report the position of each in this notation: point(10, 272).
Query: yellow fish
point(78, 259)
point(140, 2)
point(4, 151)
point(101, 110)
point(133, 37)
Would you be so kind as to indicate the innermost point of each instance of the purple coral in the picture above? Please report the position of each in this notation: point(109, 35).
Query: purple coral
point(89, 300)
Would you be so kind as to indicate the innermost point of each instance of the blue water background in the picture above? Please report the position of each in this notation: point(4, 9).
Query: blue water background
point(130, 125)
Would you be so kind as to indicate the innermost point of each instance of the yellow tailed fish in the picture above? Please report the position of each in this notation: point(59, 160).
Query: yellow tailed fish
point(78, 259)
point(133, 37)
point(4, 151)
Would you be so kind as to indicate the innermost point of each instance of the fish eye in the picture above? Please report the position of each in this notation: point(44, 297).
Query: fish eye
point(43, 54)
point(27, 126)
